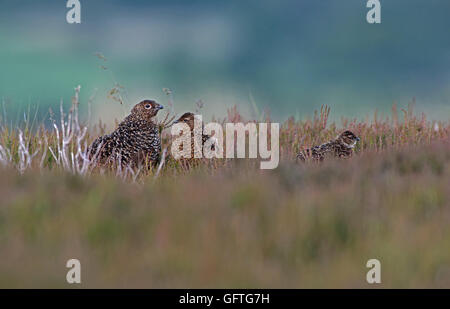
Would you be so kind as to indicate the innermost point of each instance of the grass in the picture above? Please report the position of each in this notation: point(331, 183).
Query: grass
point(229, 224)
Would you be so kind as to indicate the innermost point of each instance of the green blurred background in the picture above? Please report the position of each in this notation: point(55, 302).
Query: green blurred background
point(288, 56)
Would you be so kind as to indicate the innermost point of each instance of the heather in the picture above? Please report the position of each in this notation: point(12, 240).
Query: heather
point(226, 223)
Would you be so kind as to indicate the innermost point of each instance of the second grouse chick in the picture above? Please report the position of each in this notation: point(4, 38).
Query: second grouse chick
point(135, 141)
point(189, 119)
point(342, 146)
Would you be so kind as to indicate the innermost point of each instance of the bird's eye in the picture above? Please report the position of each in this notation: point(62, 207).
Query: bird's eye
point(148, 106)
point(186, 120)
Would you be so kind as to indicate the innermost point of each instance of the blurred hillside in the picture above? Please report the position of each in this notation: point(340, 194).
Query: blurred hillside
point(288, 56)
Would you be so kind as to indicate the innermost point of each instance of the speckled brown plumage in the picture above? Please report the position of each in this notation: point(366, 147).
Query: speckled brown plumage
point(134, 142)
point(340, 147)
point(188, 118)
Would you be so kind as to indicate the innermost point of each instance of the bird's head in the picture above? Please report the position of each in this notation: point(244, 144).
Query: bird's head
point(348, 139)
point(146, 109)
point(187, 118)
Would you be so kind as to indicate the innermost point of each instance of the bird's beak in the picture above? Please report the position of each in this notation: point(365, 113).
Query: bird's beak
point(358, 139)
point(160, 107)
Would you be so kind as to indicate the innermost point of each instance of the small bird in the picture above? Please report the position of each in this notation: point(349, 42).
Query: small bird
point(189, 119)
point(135, 141)
point(340, 147)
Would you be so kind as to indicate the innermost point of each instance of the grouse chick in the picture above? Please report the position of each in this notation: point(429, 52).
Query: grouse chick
point(135, 141)
point(189, 118)
point(341, 146)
